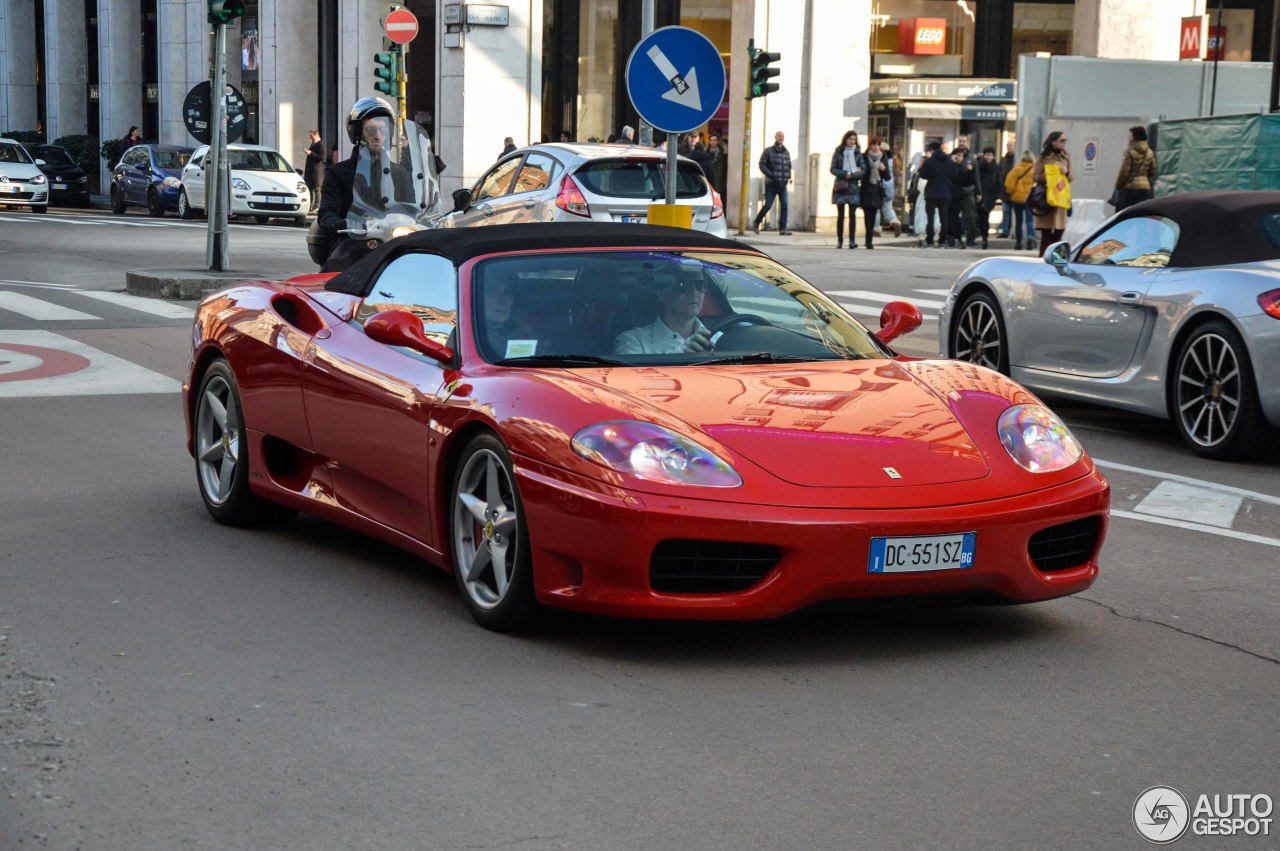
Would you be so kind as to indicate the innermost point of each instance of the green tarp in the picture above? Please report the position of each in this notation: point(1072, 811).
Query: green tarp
point(1218, 154)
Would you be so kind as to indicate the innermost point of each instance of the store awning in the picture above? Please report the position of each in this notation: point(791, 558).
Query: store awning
point(962, 111)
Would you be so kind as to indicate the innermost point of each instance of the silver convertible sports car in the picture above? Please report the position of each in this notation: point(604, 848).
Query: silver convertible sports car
point(1171, 308)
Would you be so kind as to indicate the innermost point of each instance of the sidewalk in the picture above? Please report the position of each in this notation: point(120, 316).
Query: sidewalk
point(808, 239)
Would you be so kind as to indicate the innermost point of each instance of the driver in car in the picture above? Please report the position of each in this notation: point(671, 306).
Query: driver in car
point(677, 328)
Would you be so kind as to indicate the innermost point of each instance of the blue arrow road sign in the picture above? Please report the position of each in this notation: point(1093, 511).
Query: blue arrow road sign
point(675, 79)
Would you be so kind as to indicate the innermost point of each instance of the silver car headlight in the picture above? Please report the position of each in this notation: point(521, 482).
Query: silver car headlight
point(1037, 439)
point(237, 183)
point(38, 179)
point(656, 454)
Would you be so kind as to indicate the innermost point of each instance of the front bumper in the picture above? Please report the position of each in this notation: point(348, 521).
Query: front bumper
point(23, 194)
point(591, 550)
point(265, 204)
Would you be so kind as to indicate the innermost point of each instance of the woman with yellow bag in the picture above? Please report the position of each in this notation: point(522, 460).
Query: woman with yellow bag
point(1053, 173)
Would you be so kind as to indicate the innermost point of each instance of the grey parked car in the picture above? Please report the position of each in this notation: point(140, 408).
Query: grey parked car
point(1171, 308)
point(573, 183)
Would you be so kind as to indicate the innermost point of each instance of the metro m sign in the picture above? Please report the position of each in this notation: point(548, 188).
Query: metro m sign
point(1192, 39)
point(922, 36)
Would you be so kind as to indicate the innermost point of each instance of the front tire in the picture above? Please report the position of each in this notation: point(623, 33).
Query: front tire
point(184, 206)
point(262, 220)
point(490, 544)
point(300, 222)
point(1214, 400)
point(222, 454)
point(977, 333)
point(117, 202)
point(39, 208)
point(155, 207)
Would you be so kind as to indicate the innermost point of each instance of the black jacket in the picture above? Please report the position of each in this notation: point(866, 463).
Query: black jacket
point(937, 170)
point(314, 170)
point(775, 164)
point(989, 184)
point(335, 194)
point(872, 194)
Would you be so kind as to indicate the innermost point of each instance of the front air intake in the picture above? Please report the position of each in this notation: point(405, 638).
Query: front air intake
point(1066, 545)
point(708, 567)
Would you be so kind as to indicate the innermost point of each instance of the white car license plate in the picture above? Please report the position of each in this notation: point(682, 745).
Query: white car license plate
point(59, 186)
point(9, 189)
point(276, 199)
point(922, 552)
point(634, 220)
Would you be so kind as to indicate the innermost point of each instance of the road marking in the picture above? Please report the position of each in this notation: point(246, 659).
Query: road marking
point(935, 292)
point(1197, 527)
point(34, 308)
point(1187, 480)
point(146, 305)
point(1195, 504)
point(884, 298)
point(96, 373)
point(42, 284)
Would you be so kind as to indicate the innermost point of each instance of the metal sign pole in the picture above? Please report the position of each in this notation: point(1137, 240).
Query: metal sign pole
point(672, 153)
point(746, 166)
point(402, 89)
point(217, 193)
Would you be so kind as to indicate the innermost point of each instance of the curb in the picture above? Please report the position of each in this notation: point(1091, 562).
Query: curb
point(182, 284)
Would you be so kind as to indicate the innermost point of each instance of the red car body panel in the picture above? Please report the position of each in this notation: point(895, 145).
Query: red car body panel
point(370, 432)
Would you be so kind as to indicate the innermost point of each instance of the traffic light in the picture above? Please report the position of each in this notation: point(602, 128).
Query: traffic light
point(225, 11)
point(761, 72)
point(387, 73)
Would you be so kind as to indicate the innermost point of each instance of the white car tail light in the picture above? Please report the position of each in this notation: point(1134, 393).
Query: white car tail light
point(717, 205)
point(570, 198)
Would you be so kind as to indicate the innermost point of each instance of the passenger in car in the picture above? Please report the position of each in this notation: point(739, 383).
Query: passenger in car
point(506, 334)
point(677, 328)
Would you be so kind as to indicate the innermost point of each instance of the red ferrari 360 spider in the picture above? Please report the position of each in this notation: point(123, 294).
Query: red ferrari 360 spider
point(635, 421)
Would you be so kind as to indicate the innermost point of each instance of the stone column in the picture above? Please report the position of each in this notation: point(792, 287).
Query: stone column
point(184, 42)
point(490, 88)
point(287, 80)
point(17, 65)
point(65, 54)
point(1130, 29)
point(119, 67)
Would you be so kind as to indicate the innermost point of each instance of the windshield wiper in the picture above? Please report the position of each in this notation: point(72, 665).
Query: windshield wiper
point(756, 357)
point(560, 360)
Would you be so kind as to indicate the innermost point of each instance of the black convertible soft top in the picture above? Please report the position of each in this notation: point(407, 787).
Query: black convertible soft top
point(462, 244)
point(1218, 228)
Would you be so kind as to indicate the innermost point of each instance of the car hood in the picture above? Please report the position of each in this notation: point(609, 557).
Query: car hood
point(19, 171)
point(840, 424)
point(64, 171)
point(261, 181)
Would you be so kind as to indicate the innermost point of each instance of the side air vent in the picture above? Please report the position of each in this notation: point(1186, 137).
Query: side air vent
point(708, 567)
point(1066, 545)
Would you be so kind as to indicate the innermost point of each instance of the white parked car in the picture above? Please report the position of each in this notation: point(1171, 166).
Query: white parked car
point(22, 183)
point(263, 185)
point(590, 182)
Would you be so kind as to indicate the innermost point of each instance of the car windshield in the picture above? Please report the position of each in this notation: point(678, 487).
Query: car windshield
point(170, 159)
point(656, 308)
point(639, 179)
point(10, 153)
point(53, 155)
point(257, 161)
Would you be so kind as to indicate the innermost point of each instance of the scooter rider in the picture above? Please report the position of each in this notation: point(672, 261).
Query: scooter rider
point(372, 177)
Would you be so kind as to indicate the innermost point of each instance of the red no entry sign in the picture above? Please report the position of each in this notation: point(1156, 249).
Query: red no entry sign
point(401, 26)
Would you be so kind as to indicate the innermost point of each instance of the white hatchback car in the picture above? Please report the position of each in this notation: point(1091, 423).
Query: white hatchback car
point(563, 182)
point(22, 183)
point(263, 185)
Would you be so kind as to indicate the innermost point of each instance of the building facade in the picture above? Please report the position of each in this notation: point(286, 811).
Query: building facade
point(908, 70)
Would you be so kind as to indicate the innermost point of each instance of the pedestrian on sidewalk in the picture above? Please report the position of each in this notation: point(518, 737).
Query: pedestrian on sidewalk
point(962, 184)
point(1018, 185)
point(1137, 171)
point(888, 215)
point(987, 192)
point(775, 165)
point(936, 172)
point(873, 177)
point(133, 137)
point(846, 167)
point(968, 207)
point(313, 172)
point(1007, 163)
point(1054, 221)
point(508, 145)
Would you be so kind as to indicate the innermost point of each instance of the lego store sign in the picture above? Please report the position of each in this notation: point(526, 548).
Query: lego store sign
point(922, 36)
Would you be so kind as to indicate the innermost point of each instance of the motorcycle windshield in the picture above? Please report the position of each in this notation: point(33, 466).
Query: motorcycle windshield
point(395, 174)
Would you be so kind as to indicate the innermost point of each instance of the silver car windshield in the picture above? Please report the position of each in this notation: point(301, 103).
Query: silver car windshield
point(656, 307)
point(395, 173)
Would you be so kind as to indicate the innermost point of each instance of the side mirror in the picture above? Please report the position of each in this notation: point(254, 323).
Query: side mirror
point(39, 161)
point(1058, 256)
point(402, 328)
point(461, 200)
point(898, 318)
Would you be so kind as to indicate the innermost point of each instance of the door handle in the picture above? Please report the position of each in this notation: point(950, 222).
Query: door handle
point(488, 211)
point(532, 202)
point(1131, 299)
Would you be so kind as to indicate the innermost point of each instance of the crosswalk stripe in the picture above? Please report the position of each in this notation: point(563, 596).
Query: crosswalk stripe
point(34, 308)
point(935, 292)
point(146, 305)
point(864, 310)
point(884, 298)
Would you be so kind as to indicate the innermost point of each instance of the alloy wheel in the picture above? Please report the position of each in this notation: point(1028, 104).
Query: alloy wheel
point(1209, 390)
point(486, 529)
point(977, 335)
point(217, 440)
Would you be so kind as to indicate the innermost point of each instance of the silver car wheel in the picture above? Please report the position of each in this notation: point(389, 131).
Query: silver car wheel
point(1209, 389)
point(217, 440)
point(977, 336)
point(486, 529)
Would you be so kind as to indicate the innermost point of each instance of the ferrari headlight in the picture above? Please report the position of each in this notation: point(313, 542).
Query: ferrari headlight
point(172, 182)
point(237, 183)
point(1035, 438)
point(403, 230)
point(653, 453)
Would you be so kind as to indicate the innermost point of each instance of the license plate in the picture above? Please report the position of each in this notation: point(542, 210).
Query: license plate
point(634, 220)
point(59, 186)
point(9, 189)
point(922, 552)
point(276, 199)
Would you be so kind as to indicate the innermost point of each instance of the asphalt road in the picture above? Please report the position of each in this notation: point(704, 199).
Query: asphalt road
point(169, 683)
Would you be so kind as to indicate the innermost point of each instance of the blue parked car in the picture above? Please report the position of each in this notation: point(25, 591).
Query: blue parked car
point(148, 176)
